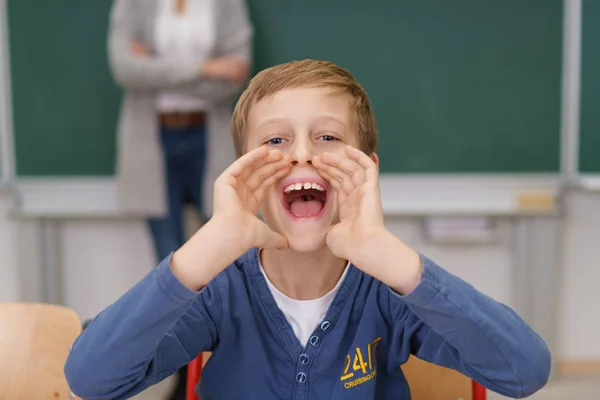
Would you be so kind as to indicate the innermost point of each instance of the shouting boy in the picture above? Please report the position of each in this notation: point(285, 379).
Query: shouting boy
point(318, 300)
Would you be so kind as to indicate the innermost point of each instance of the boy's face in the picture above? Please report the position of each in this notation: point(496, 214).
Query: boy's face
point(302, 122)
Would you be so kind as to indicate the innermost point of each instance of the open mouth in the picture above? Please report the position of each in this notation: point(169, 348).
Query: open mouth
point(304, 199)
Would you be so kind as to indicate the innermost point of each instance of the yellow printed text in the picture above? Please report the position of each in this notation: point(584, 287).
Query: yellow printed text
point(361, 380)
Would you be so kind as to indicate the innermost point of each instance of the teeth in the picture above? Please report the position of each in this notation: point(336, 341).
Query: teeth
point(305, 185)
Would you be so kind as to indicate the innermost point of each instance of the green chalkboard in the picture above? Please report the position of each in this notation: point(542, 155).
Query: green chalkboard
point(461, 86)
point(589, 128)
point(64, 100)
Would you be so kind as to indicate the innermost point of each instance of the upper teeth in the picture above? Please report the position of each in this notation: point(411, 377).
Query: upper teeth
point(305, 185)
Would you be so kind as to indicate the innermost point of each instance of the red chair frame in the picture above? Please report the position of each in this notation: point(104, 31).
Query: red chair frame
point(193, 377)
point(195, 371)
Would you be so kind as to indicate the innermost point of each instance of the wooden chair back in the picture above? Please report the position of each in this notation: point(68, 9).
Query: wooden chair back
point(35, 340)
point(431, 382)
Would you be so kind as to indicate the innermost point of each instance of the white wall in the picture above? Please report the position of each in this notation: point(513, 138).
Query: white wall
point(103, 258)
point(580, 295)
point(9, 272)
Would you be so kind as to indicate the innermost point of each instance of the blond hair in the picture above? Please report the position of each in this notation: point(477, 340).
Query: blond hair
point(308, 73)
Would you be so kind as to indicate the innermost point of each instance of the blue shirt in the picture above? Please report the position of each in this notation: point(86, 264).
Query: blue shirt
point(355, 353)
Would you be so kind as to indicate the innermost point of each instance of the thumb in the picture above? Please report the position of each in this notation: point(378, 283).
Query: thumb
point(271, 239)
point(332, 228)
point(332, 237)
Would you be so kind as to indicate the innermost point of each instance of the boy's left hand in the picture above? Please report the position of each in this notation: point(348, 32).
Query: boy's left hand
point(361, 236)
point(355, 177)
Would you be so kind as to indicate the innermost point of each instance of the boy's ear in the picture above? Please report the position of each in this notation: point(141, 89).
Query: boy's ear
point(375, 158)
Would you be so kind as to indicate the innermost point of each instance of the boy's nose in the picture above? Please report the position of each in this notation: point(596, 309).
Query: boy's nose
point(302, 154)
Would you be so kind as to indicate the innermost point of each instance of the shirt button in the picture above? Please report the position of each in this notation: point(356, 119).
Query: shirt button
point(325, 326)
point(301, 377)
point(314, 340)
point(304, 359)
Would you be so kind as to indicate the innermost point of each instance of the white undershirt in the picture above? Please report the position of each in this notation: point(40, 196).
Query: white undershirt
point(190, 35)
point(303, 315)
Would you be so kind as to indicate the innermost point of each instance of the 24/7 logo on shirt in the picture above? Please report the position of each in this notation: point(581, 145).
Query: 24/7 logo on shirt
point(363, 368)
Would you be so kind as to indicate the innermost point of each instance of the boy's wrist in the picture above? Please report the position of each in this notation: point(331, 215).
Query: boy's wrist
point(214, 247)
point(388, 259)
point(367, 250)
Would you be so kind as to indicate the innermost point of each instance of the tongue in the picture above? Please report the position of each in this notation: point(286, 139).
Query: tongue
point(305, 209)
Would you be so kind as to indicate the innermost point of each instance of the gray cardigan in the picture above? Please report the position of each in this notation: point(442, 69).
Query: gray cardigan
point(140, 177)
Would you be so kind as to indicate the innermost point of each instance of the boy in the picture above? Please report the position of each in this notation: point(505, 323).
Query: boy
point(319, 301)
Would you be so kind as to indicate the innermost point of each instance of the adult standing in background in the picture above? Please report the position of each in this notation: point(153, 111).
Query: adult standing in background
point(180, 63)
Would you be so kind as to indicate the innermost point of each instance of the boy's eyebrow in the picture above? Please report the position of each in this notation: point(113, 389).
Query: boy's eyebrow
point(272, 120)
point(326, 118)
point(319, 119)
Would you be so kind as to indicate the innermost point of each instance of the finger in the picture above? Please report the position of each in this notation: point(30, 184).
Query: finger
point(257, 177)
point(266, 184)
point(323, 170)
point(270, 239)
point(369, 166)
point(336, 185)
point(250, 168)
point(246, 161)
point(347, 166)
point(344, 180)
point(273, 156)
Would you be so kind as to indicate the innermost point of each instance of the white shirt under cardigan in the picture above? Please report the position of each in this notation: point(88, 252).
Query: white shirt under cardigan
point(187, 35)
point(303, 315)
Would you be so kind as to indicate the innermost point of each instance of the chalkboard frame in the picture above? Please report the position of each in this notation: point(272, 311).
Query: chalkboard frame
point(6, 149)
point(581, 177)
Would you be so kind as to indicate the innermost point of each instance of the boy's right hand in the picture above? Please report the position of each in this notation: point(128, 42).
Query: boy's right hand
point(235, 226)
point(239, 191)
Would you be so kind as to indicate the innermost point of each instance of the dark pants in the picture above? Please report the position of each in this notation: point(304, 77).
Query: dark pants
point(184, 152)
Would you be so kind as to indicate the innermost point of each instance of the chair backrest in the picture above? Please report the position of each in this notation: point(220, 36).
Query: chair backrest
point(193, 375)
point(35, 340)
point(431, 382)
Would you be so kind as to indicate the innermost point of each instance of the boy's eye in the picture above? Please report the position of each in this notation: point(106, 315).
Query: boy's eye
point(275, 141)
point(328, 138)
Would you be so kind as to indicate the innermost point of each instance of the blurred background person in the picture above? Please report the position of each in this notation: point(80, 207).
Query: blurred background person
point(181, 64)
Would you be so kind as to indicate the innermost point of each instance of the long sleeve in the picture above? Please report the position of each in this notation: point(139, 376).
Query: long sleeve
point(147, 335)
point(135, 72)
point(448, 322)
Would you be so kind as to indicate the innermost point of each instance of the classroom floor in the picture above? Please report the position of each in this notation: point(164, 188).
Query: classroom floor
point(561, 389)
